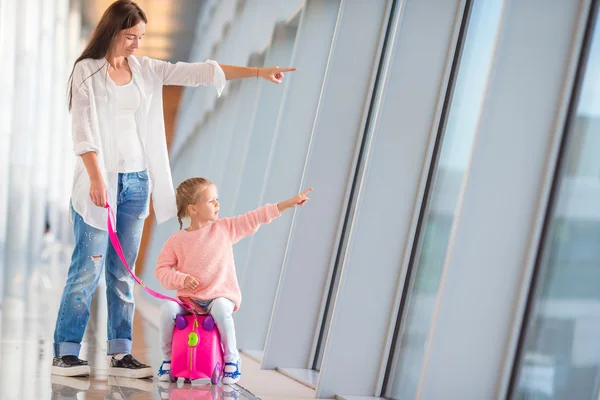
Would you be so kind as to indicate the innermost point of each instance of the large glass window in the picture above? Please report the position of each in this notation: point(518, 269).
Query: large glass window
point(560, 356)
point(461, 125)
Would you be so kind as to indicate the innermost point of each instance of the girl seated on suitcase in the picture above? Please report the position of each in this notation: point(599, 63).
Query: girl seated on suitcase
point(198, 263)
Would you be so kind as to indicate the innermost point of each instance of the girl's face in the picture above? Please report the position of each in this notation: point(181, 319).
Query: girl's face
point(207, 207)
point(129, 40)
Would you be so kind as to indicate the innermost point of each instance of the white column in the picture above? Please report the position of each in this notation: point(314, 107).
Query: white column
point(22, 147)
point(74, 43)
point(42, 132)
point(8, 16)
point(59, 121)
point(22, 136)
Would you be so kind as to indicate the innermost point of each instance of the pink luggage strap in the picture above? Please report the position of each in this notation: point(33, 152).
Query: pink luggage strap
point(114, 239)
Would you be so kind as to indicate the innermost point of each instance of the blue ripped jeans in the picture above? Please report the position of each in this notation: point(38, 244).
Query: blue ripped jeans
point(92, 252)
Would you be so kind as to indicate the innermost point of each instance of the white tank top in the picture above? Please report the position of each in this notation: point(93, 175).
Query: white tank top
point(131, 152)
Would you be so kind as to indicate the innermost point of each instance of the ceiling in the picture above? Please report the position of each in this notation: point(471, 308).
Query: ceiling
point(170, 29)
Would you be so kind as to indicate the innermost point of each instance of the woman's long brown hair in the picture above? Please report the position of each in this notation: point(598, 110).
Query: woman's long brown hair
point(122, 14)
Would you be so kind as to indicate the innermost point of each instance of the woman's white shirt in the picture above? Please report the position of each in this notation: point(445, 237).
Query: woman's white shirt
point(96, 127)
point(130, 149)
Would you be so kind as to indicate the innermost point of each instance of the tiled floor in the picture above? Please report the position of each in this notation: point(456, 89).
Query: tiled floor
point(26, 328)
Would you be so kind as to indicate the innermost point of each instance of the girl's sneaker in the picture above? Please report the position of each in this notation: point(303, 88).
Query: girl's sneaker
point(164, 372)
point(231, 373)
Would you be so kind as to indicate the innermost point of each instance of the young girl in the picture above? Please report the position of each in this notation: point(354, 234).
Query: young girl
point(198, 263)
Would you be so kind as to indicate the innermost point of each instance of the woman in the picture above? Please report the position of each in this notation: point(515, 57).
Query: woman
point(118, 135)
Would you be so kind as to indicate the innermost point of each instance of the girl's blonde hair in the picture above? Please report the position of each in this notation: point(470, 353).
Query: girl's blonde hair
point(188, 193)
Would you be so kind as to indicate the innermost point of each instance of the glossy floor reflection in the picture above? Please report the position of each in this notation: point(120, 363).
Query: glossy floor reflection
point(122, 388)
point(27, 326)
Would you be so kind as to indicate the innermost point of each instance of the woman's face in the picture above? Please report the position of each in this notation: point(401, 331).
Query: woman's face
point(128, 40)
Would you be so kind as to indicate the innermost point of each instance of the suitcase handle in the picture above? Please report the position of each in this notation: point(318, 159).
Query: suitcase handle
point(114, 239)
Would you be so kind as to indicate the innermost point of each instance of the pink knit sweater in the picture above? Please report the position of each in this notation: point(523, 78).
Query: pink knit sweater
point(207, 255)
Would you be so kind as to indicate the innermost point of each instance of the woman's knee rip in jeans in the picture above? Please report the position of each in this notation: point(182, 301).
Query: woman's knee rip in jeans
point(97, 260)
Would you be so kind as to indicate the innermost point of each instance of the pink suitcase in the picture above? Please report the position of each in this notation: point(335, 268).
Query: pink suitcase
point(197, 352)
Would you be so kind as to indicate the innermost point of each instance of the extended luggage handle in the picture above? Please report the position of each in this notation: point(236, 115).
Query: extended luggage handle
point(114, 239)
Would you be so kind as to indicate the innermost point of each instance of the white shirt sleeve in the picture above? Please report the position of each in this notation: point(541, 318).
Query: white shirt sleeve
point(82, 133)
point(207, 73)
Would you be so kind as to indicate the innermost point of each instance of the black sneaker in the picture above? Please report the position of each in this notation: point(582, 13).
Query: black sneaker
point(129, 367)
point(70, 366)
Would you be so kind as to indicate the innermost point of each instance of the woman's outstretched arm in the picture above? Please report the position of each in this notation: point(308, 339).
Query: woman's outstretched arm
point(271, 74)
